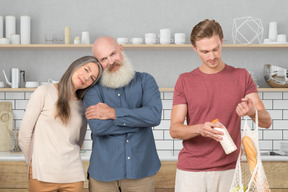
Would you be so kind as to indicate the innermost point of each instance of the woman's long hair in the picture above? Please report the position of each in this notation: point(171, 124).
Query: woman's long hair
point(65, 87)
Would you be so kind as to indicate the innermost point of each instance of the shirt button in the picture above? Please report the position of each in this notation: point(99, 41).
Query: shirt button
point(127, 141)
point(124, 123)
point(128, 158)
point(118, 94)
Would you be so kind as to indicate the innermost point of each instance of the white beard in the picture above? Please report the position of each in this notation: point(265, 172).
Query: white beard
point(119, 78)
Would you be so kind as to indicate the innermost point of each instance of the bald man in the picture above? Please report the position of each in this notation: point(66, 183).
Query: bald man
point(121, 110)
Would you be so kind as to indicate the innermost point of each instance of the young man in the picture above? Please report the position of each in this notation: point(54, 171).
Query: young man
point(213, 90)
point(121, 110)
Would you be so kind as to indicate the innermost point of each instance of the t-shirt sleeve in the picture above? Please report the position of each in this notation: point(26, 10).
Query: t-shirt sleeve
point(251, 86)
point(179, 94)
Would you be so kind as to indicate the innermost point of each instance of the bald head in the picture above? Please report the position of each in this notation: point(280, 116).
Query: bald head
point(103, 43)
point(107, 50)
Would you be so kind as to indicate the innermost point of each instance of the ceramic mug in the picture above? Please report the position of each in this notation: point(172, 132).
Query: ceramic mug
point(179, 38)
point(281, 38)
point(15, 38)
point(150, 38)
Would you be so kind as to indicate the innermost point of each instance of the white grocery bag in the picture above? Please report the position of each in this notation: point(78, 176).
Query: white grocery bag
point(257, 180)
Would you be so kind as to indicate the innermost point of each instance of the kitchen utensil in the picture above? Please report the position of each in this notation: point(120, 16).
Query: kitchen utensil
point(275, 76)
point(16, 80)
point(6, 124)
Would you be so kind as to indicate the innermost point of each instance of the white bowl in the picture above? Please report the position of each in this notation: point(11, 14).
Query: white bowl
point(31, 84)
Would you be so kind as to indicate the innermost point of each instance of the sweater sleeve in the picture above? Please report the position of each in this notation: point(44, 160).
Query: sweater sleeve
point(33, 110)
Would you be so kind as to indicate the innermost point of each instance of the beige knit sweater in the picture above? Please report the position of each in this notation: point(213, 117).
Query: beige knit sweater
point(53, 147)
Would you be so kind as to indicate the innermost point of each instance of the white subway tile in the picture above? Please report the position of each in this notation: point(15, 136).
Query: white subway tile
point(15, 95)
point(18, 114)
point(260, 94)
point(167, 104)
point(21, 104)
point(285, 114)
point(18, 123)
point(268, 104)
point(158, 134)
point(285, 95)
point(272, 134)
point(275, 114)
point(285, 134)
point(167, 135)
point(276, 145)
point(28, 94)
point(2, 95)
point(87, 144)
point(167, 145)
point(272, 95)
point(161, 95)
point(167, 114)
point(280, 124)
point(280, 104)
point(178, 144)
point(164, 124)
point(265, 145)
point(88, 135)
point(168, 95)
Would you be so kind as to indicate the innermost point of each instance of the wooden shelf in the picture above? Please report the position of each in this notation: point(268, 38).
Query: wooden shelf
point(161, 89)
point(143, 46)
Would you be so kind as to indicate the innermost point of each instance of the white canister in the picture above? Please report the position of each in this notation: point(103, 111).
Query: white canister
point(15, 39)
point(10, 26)
point(25, 29)
point(85, 39)
point(150, 38)
point(273, 32)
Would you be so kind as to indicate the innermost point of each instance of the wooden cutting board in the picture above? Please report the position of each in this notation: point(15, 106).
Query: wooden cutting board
point(6, 125)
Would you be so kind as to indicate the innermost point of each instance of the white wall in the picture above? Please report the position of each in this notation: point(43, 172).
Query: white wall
point(132, 18)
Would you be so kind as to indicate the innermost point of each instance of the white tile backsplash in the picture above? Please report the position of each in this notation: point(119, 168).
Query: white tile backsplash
point(15, 95)
point(276, 104)
point(272, 95)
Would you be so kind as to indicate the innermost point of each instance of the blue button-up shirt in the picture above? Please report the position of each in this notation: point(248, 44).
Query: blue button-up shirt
point(125, 147)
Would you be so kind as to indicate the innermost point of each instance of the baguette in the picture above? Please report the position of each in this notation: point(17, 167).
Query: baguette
point(250, 152)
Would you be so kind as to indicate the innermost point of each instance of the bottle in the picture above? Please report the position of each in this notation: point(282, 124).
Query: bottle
point(227, 143)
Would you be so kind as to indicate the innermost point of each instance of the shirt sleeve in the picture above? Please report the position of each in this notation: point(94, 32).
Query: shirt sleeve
point(179, 94)
point(149, 114)
point(33, 110)
point(251, 86)
point(102, 127)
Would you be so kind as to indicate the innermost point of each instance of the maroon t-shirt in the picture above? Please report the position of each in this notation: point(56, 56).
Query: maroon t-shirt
point(211, 96)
